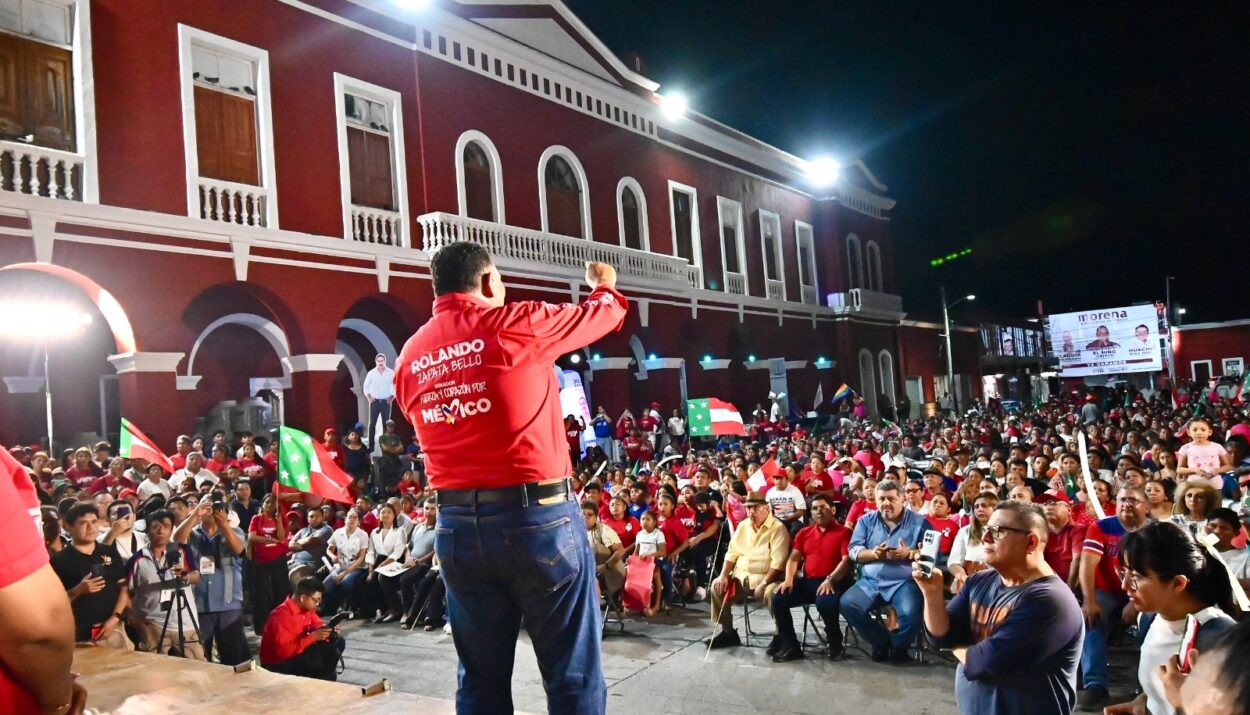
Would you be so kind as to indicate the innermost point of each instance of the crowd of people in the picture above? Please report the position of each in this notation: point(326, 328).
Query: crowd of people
point(1041, 556)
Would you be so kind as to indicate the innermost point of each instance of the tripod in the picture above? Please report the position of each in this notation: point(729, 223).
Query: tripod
point(177, 603)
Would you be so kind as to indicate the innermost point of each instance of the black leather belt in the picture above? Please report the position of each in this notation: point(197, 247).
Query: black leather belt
point(522, 494)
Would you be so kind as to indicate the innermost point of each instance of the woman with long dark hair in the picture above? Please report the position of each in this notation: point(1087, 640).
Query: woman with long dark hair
point(1166, 572)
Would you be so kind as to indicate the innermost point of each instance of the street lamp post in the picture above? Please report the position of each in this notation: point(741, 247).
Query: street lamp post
point(946, 334)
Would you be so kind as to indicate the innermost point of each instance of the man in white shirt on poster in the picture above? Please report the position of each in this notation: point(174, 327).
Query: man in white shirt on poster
point(786, 501)
point(379, 388)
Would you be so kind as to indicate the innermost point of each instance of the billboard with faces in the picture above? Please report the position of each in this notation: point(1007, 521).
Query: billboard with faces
point(1108, 341)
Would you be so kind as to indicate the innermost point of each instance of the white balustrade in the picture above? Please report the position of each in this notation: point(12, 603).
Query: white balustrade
point(371, 225)
point(736, 283)
point(858, 299)
point(38, 171)
point(565, 253)
point(776, 289)
point(809, 295)
point(228, 202)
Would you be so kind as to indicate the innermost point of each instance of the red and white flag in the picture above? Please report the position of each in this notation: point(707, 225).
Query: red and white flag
point(710, 416)
point(134, 444)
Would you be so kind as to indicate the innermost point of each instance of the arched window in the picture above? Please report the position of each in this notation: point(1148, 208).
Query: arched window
point(885, 364)
point(564, 204)
point(854, 262)
point(478, 200)
point(873, 277)
point(868, 381)
point(479, 178)
point(631, 212)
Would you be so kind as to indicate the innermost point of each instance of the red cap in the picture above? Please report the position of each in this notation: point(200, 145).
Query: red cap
point(1052, 495)
point(126, 493)
point(655, 404)
point(331, 430)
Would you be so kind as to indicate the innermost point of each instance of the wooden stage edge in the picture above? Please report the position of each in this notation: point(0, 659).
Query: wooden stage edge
point(132, 683)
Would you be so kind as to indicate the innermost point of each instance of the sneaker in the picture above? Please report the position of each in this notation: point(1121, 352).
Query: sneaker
point(447, 628)
point(833, 651)
point(724, 639)
point(700, 594)
point(1092, 699)
point(789, 652)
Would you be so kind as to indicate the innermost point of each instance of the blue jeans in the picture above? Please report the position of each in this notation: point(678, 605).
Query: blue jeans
point(1094, 650)
point(336, 593)
point(501, 562)
point(857, 606)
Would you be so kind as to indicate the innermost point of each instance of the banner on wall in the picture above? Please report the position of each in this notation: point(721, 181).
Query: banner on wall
point(573, 402)
point(1105, 342)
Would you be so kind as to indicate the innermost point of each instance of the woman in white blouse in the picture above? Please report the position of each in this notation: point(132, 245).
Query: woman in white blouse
point(968, 553)
point(347, 550)
point(387, 544)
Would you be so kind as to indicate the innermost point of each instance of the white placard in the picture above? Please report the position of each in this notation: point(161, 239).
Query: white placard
point(1107, 342)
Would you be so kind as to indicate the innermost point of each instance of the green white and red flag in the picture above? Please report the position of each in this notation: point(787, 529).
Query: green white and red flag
point(134, 444)
point(709, 416)
point(306, 466)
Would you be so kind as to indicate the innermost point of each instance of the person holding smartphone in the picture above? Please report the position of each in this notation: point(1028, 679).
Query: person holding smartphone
point(1165, 571)
point(296, 641)
point(94, 577)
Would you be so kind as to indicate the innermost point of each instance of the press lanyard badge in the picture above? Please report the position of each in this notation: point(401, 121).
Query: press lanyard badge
point(207, 566)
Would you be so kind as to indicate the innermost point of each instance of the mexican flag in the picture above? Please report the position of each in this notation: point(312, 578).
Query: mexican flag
point(134, 444)
point(710, 416)
point(305, 465)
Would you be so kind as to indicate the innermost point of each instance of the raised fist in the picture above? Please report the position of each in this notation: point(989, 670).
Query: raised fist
point(600, 274)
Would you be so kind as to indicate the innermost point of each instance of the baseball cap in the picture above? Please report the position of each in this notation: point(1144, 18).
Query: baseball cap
point(1052, 495)
point(127, 493)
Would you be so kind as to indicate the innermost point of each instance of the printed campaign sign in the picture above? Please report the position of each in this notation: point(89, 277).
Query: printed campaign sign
point(1106, 342)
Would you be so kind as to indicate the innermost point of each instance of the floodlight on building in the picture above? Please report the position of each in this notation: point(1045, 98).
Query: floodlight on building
point(673, 105)
point(823, 172)
point(575, 358)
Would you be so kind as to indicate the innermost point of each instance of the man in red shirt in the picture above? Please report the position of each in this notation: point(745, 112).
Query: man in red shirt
point(37, 648)
point(1063, 548)
point(477, 383)
point(296, 641)
point(822, 550)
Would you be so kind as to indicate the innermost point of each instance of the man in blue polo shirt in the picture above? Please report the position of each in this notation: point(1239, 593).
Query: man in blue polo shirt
point(885, 542)
point(219, 593)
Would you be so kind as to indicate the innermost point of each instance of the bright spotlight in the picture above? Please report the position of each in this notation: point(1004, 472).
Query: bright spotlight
point(575, 358)
point(41, 321)
point(970, 296)
point(707, 358)
point(823, 172)
point(596, 356)
point(651, 356)
point(673, 106)
point(413, 4)
point(750, 358)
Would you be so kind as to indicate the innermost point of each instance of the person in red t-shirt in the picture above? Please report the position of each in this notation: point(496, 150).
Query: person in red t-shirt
point(867, 503)
point(330, 440)
point(296, 641)
point(114, 481)
point(676, 540)
point(822, 550)
point(221, 460)
point(266, 537)
point(632, 444)
point(1067, 539)
point(939, 517)
point(1103, 594)
point(37, 648)
point(620, 521)
point(84, 471)
point(574, 426)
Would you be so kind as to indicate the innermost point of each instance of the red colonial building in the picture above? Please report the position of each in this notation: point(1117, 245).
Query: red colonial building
point(246, 195)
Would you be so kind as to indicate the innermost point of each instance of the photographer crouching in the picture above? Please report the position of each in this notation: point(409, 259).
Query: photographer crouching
point(296, 641)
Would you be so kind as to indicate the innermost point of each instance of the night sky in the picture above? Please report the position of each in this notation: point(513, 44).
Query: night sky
point(1083, 152)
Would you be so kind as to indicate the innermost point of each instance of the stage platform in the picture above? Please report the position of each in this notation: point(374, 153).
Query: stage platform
point(131, 683)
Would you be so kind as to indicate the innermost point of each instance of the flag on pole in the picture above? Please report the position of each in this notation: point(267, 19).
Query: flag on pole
point(842, 392)
point(709, 416)
point(305, 465)
point(134, 444)
point(820, 396)
point(760, 478)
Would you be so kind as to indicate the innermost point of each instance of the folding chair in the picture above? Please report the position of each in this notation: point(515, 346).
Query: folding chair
point(809, 621)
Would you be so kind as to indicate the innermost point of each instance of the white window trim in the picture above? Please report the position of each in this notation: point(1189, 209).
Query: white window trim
point(188, 36)
point(778, 252)
point(393, 102)
point(869, 382)
point(696, 239)
point(1193, 368)
point(644, 233)
point(854, 268)
point(873, 270)
point(801, 228)
point(496, 173)
point(1224, 363)
point(885, 358)
point(567, 154)
point(724, 206)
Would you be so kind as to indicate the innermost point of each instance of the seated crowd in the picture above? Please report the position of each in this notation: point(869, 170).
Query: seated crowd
point(833, 513)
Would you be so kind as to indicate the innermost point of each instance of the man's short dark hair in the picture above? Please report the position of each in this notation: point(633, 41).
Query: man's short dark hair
point(78, 511)
point(309, 585)
point(161, 515)
point(1226, 515)
point(180, 500)
point(458, 267)
point(828, 500)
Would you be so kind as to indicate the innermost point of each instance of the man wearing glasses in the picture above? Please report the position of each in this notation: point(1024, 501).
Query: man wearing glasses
point(1015, 629)
point(1102, 595)
point(296, 641)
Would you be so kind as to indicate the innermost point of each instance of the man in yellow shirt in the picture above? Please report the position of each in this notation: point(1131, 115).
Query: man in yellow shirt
point(755, 562)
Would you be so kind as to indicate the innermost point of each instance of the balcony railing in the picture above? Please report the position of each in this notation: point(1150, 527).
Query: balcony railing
point(858, 299)
point(736, 283)
point(810, 296)
point(776, 289)
point(539, 250)
point(35, 170)
point(371, 225)
point(228, 202)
